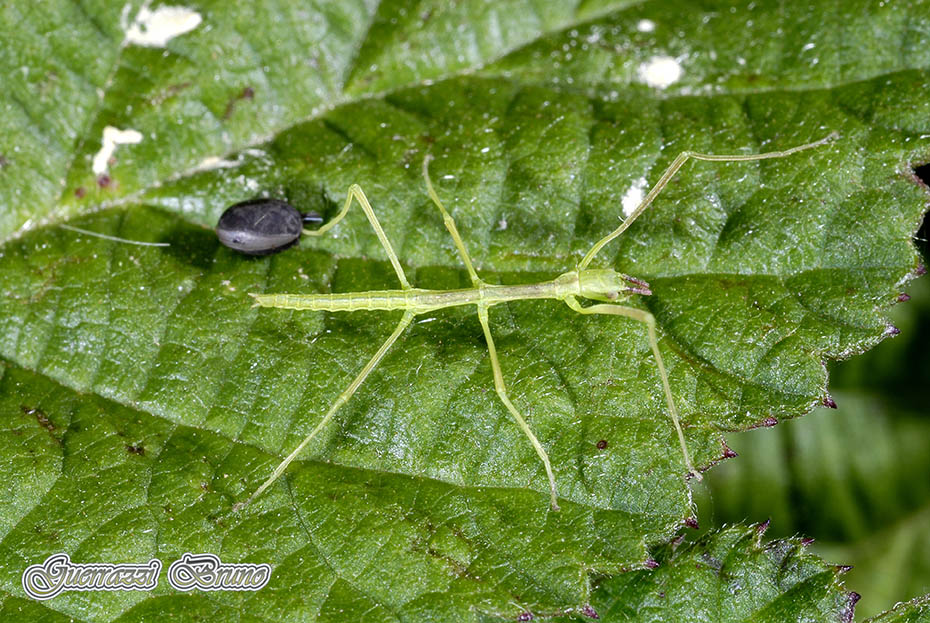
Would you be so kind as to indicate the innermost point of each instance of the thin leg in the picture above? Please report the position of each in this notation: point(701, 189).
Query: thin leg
point(502, 393)
point(670, 172)
point(450, 224)
point(343, 397)
point(355, 192)
point(649, 319)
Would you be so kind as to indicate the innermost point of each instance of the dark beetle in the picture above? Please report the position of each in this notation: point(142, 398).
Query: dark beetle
point(262, 226)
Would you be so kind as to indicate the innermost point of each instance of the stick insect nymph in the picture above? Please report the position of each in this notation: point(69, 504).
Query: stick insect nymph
point(605, 286)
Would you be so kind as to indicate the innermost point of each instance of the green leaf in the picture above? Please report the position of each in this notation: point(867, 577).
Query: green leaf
point(145, 396)
point(729, 575)
point(808, 478)
point(856, 479)
point(916, 611)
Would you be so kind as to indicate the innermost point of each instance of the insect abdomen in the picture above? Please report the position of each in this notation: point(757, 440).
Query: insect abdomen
point(350, 301)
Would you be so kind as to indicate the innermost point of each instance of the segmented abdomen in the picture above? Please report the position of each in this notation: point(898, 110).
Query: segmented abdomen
point(350, 301)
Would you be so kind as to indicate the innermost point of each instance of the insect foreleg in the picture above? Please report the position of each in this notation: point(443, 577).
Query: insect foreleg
point(450, 223)
point(355, 192)
point(502, 393)
point(650, 321)
point(673, 168)
point(340, 400)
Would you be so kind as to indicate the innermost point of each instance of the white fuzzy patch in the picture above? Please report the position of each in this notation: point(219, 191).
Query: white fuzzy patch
point(645, 25)
point(154, 29)
point(215, 162)
point(111, 138)
point(660, 71)
point(633, 196)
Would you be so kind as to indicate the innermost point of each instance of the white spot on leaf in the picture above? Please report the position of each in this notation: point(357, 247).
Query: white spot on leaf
point(111, 138)
point(154, 29)
point(660, 71)
point(215, 162)
point(633, 196)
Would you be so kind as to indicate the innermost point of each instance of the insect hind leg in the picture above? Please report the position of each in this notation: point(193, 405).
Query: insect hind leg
point(355, 192)
point(340, 400)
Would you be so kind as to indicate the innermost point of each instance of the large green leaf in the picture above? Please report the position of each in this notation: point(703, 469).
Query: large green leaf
point(869, 509)
point(856, 479)
point(729, 575)
point(145, 397)
point(916, 611)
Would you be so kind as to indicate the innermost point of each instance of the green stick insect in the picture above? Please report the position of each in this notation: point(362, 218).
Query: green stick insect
point(606, 286)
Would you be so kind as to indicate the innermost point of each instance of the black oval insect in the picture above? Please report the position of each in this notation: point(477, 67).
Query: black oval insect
point(262, 226)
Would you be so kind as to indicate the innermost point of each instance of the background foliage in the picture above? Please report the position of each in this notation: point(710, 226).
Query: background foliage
point(856, 478)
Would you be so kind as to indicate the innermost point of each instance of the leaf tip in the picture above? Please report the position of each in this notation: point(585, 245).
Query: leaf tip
point(692, 523)
point(904, 297)
point(762, 527)
point(829, 402)
point(651, 563)
point(892, 330)
point(850, 610)
point(590, 612)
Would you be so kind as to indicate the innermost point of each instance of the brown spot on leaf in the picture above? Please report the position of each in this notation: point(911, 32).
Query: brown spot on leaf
point(40, 416)
point(246, 94)
point(170, 91)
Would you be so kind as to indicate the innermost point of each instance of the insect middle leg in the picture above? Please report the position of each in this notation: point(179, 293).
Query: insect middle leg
point(502, 393)
point(492, 351)
point(650, 321)
point(340, 400)
point(450, 225)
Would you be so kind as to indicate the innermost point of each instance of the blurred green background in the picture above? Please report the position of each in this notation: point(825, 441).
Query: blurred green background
point(855, 479)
